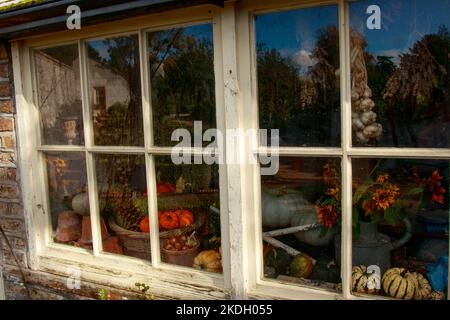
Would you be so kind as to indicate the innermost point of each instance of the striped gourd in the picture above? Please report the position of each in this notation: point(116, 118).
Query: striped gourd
point(399, 283)
point(424, 289)
point(364, 282)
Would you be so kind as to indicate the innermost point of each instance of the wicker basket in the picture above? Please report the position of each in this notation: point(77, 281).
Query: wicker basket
point(137, 244)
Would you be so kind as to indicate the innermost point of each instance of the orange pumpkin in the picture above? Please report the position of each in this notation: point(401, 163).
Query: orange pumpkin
point(185, 217)
point(169, 220)
point(208, 260)
point(164, 188)
point(144, 225)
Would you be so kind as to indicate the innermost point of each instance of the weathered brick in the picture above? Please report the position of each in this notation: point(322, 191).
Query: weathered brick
point(6, 124)
point(6, 106)
point(39, 293)
point(3, 51)
point(4, 89)
point(4, 70)
point(8, 141)
point(9, 192)
point(10, 210)
point(15, 242)
point(14, 291)
point(13, 226)
point(14, 210)
point(4, 209)
point(20, 256)
point(8, 174)
point(7, 159)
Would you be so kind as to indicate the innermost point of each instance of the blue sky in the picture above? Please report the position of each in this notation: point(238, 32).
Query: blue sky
point(403, 22)
point(198, 31)
point(293, 32)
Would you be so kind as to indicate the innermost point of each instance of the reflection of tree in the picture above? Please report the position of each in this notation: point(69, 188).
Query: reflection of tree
point(301, 105)
point(182, 76)
point(417, 91)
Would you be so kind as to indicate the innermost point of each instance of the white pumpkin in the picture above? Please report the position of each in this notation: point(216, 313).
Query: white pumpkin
point(279, 205)
point(307, 216)
point(80, 204)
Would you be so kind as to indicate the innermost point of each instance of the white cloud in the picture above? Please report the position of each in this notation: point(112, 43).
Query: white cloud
point(304, 59)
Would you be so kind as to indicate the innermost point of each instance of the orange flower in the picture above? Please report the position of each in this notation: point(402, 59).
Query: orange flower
point(328, 215)
point(383, 178)
point(434, 184)
point(386, 197)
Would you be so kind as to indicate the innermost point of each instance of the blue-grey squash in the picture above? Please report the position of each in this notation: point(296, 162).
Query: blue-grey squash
point(279, 205)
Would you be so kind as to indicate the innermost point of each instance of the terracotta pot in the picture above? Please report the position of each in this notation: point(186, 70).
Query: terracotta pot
point(69, 227)
point(86, 232)
point(112, 245)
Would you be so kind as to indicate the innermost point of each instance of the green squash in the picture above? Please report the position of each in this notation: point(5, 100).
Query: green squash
point(301, 266)
point(279, 260)
point(326, 270)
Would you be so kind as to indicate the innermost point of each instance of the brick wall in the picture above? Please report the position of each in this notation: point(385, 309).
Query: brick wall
point(11, 218)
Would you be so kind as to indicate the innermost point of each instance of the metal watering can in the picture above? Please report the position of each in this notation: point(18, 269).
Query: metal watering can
point(373, 248)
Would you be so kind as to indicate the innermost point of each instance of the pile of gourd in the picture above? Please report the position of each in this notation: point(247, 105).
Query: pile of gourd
point(397, 283)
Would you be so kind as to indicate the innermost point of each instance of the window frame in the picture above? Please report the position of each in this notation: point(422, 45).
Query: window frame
point(240, 194)
point(46, 255)
point(346, 152)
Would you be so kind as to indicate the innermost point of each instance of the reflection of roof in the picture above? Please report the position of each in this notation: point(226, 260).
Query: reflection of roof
point(56, 61)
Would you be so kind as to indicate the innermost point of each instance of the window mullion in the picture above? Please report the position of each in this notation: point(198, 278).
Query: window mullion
point(346, 239)
point(90, 160)
point(148, 142)
point(234, 172)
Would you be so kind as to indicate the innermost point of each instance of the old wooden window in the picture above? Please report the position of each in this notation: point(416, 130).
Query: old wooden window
point(363, 156)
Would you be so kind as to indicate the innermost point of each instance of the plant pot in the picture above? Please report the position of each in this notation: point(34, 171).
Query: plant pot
point(69, 227)
point(181, 258)
point(86, 232)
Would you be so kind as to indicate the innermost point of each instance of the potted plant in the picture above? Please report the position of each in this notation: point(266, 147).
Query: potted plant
point(378, 199)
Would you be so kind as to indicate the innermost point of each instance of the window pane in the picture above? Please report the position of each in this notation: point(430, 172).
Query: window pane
point(182, 82)
point(298, 75)
point(68, 199)
point(123, 204)
point(401, 74)
point(115, 91)
point(304, 194)
point(59, 95)
point(400, 231)
point(188, 212)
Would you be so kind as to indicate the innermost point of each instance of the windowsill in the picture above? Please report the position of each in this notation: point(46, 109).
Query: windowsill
point(124, 272)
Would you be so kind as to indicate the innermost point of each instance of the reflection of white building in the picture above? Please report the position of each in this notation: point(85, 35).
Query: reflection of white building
point(59, 86)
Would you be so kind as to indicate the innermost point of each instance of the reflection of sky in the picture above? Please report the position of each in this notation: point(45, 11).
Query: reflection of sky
point(200, 31)
point(293, 33)
point(403, 23)
point(101, 48)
